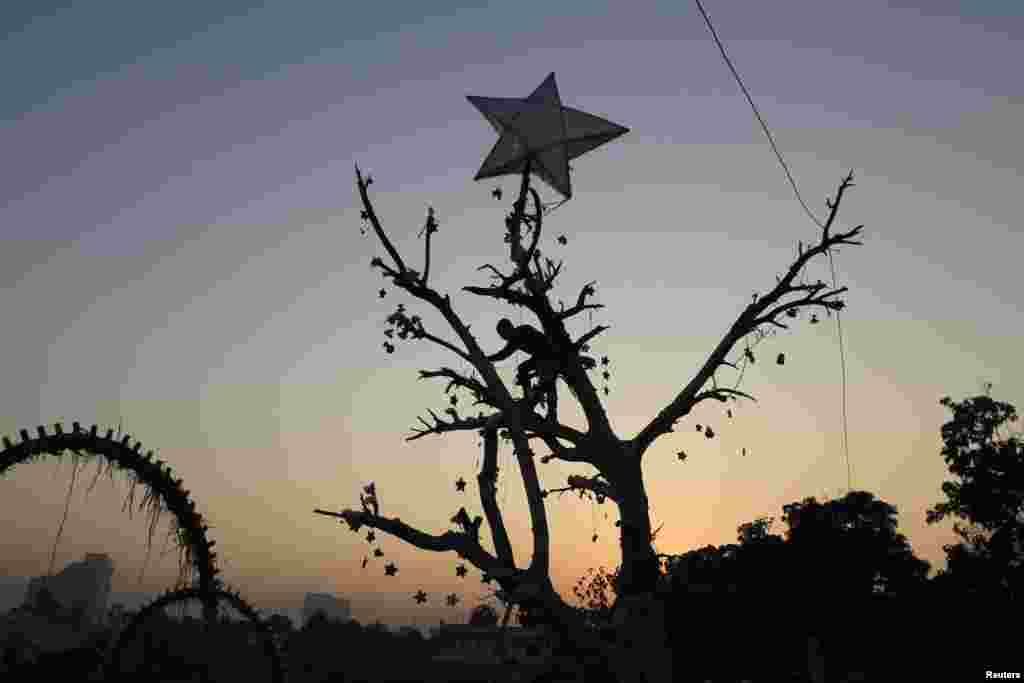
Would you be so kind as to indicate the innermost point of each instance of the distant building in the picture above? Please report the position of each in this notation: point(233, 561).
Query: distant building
point(84, 584)
point(338, 609)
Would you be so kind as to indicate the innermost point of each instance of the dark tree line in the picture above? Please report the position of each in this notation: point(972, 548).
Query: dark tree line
point(841, 572)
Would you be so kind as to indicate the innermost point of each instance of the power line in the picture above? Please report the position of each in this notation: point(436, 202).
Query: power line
point(807, 210)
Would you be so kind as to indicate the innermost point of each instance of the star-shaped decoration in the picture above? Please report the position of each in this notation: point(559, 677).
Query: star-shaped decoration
point(538, 127)
point(496, 193)
point(460, 571)
point(681, 455)
point(382, 293)
point(460, 484)
point(370, 537)
point(390, 569)
point(781, 360)
point(377, 552)
point(562, 240)
point(420, 597)
point(709, 432)
point(452, 599)
point(604, 360)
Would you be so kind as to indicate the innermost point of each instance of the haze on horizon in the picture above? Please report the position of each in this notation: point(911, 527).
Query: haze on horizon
point(181, 252)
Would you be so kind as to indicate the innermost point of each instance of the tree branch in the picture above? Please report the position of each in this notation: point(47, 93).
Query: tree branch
point(748, 321)
point(462, 543)
point(590, 335)
point(457, 424)
point(581, 305)
point(560, 452)
point(430, 228)
point(457, 380)
point(487, 480)
point(372, 217)
point(600, 488)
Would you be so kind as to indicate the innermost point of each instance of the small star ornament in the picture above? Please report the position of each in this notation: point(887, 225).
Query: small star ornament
point(390, 569)
point(420, 597)
point(377, 552)
point(452, 599)
point(562, 240)
point(460, 571)
point(539, 129)
point(370, 537)
point(460, 484)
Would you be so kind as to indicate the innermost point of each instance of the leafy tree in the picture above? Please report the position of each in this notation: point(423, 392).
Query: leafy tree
point(639, 616)
point(849, 546)
point(483, 615)
point(989, 494)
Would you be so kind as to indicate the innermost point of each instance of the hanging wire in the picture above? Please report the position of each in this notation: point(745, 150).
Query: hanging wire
point(807, 210)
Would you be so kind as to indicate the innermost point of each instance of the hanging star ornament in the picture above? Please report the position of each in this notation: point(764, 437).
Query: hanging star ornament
point(420, 597)
point(540, 129)
point(390, 569)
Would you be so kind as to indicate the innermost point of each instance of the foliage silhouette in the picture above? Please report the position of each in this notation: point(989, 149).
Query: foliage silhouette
point(989, 495)
point(640, 651)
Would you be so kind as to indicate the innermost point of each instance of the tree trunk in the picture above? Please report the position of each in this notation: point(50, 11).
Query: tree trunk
point(638, 615)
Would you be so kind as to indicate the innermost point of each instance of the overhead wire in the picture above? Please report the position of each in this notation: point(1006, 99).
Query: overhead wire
point(810, 214)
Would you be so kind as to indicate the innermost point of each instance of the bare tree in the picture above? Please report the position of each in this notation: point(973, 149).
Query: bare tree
point(616, 462)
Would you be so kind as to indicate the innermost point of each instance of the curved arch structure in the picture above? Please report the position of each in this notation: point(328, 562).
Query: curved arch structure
point(162, 491)
point(154, 474)
point(233, 599)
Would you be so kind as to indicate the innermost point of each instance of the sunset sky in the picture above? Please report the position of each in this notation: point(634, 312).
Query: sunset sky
point(181, 251)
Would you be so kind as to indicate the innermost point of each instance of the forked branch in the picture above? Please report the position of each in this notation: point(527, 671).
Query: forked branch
point(762, 310)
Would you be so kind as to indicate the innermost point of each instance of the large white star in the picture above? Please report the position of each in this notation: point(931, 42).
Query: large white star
point(541, 128)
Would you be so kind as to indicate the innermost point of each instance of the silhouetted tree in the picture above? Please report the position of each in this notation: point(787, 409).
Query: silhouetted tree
point(638, 615)
point(849, 546)
point(989, 495)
